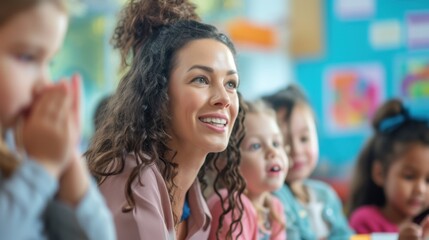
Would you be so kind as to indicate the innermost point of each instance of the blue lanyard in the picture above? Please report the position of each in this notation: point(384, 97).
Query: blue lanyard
point(186, 211)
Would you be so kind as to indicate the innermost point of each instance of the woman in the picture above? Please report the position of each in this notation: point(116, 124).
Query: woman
point(175, 107)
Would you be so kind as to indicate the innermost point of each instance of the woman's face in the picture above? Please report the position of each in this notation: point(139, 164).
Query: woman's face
point(203, 97)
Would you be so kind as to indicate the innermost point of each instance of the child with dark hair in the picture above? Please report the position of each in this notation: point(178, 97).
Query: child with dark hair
point(312, 208)
point(175, 109)
point(391, 181)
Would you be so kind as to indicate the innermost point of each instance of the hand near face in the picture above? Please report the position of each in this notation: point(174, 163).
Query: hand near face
point(75, 91)
point(50, 131)
point(411, 231)
point(425, 227)
point(74, 182)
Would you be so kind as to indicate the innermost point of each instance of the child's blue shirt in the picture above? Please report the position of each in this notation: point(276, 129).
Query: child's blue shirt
point(298, 224)
point(28, 209)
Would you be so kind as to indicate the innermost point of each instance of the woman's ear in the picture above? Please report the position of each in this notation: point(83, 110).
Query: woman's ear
point(377, 173)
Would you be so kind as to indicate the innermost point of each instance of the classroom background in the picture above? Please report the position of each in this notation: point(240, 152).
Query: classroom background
point(347, 55)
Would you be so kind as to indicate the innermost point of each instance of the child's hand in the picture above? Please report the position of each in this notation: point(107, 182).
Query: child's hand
point(75, 91)
point(425, 226)
point(49, 133)
point(411, 231)
point(74, 182)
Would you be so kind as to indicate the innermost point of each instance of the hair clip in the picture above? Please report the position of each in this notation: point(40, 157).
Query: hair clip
point(390, 124)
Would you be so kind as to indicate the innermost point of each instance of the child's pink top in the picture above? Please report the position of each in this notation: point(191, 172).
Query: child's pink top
point(369, 219)
point(249, 220)
point(152, 216)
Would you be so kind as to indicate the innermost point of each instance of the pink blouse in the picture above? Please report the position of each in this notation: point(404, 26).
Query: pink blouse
point(152, 216)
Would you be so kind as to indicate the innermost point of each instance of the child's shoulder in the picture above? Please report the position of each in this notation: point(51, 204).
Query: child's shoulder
point(215, 201)
point(318, 186)
point(248, 221)
point(368, 218)
point(277, 204)
point(364, 212)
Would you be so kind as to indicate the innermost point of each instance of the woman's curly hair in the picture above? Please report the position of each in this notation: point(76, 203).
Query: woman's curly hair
point(149, 36)
point(140, 18)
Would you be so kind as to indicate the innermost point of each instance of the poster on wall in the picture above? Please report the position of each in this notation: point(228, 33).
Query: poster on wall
point(217, 12)
point(412, 80)
point(354, 10)
point(351, 95)
point(417, 23)
point(385, 34)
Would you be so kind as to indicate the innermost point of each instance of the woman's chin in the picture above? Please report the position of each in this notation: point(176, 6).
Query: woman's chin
point(215, 148)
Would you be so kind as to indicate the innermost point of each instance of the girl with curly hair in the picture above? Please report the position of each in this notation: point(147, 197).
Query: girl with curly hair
point(176, 108)
point(264, 165)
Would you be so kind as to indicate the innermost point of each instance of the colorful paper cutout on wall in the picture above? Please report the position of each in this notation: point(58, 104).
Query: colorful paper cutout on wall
point(352, 9)
point(385, 34)
point(246, 32)
point(418, 29)
point(351, 96)
point(413, 79)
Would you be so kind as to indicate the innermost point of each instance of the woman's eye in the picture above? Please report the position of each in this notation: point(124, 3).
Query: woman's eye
point(231, 85)
point(200, 80)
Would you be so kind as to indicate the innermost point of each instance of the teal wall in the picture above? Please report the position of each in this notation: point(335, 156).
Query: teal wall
point(347, 43)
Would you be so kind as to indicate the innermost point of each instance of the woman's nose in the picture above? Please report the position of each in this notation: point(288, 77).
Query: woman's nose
point(220, 97)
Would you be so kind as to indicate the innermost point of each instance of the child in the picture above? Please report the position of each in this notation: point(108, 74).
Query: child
point(391, 182)
point(45, 190)
point(312, 208)
point(264, 166)
point(176, 105)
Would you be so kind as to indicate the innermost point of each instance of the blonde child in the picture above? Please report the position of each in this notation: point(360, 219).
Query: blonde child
point(391, 181)
point(313, 210)
point(263, 165)
point(45, 190)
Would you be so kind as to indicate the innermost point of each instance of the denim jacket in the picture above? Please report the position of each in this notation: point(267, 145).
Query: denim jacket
point(298, 225)
point(29, 210)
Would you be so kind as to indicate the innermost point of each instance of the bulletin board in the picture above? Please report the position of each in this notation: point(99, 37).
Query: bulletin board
point(306, 28)
point(392, 34)
point(351, 96)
